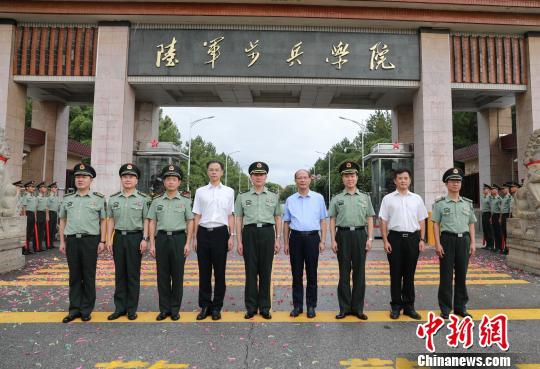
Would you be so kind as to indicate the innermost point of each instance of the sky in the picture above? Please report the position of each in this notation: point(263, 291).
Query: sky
point(285, 139)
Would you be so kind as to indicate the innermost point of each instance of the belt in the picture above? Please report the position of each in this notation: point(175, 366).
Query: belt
point(452, 234)
point(304, 233)
point(171, 233)
point(80, 235)
point(259, 225)
point(123, 233)
point(213, 228)
point(351, 228)
point(41, 211)
point(405, 234)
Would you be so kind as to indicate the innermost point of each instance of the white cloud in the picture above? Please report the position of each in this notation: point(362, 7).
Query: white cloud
point(286, 139)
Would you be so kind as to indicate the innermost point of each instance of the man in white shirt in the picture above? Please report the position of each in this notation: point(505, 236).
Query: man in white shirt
point(403, 215)
point(213, 237)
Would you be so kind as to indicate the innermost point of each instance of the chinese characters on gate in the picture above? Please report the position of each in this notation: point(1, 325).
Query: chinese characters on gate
point(492, 331)
point(167, 54)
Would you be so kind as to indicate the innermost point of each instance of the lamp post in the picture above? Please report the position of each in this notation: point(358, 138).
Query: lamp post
point(329, 172)
point(362, 128)
point(226, 161)
point(191, 124)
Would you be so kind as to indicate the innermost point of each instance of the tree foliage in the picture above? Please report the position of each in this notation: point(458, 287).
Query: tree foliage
point(465, 129)
point(168, 131)
point(80, 123)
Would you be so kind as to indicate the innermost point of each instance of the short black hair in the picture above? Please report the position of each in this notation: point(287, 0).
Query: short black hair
point(214, 162)
point(399, 171)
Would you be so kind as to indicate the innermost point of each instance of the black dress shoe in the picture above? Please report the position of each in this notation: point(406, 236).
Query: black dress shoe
point(444, 315)
point(311, 312)
point(132, 316)
point(162, 316)
point(412, 314)
point(360, 316)
point(86, 318)
point(295, 312)
point(394, 314)
point(463, 314)
point(25, 252)
point(249, 314)
point(205, 311)
point(266, 314)
point(216, 314)
point(70, 318)
point(115, 315)
point(175, 317)
point(342, 314)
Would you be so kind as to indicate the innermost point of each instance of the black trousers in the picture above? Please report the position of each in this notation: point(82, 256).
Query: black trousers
point(81, 256)
point(403, 260)
point(453, 267)
point(505, 217)
point(53, 223)
point(31, 231)
point(351, 254)
point(127, 271)
point(170, 262)
point(497, 231)
point(212, 248)
point(41, 222)
point(487, 229)
point(258, 259)
point(304, 250)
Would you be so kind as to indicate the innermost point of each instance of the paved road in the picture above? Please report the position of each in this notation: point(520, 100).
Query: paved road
point(33, 301)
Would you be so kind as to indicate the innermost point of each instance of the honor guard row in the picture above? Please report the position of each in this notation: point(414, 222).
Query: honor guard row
point(169, 228)
point(41, 211)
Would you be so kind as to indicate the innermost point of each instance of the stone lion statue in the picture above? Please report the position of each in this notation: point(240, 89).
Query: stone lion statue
point(8, 192)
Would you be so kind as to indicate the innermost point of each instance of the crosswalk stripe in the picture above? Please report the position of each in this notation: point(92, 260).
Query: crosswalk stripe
point(238, 317)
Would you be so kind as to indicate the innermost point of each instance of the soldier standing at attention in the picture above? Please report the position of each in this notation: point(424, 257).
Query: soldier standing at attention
point(453, 225)
point(350, 212)
point(258, 229)
point(82, 237)
point(127, 212)
point(170, 218)
point(506, 205)
point(41, 217)
point(496, 204)
point(53, 207)
point(29, 206)
point(485, 206)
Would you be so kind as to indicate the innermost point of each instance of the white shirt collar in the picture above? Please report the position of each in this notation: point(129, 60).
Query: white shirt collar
point(212, 186)
point(396, 193)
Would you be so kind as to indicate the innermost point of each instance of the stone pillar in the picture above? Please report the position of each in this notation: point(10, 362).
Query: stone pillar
point(432, 107)
point(40, 161)
point(114, 107)
point(402, 124)
point(12, 101)
point(528, 103)
point(494, 163)
point(146, 124)
point(61, 145)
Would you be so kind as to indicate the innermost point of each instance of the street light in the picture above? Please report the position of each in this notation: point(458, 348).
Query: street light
point(226, 160)
point(191, 124)
point(329, 173)
point(362, 128)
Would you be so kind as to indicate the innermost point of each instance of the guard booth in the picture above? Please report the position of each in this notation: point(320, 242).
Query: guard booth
point(383, 159)
point(151, 161)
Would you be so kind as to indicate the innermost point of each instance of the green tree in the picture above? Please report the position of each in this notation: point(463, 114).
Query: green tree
point(465, 129)
point(80, 123)
point(168, 131)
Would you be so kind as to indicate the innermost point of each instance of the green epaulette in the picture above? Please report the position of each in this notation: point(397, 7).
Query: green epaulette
point(142, 193)
point(69, 194)
point(115, 194)
point(439, 198)
point(466, 199)
point(99, 194)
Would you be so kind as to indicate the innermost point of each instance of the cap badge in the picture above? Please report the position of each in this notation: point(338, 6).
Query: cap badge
point(455, 171)
point(129, 166)
point(348, 165)
point(259, 165)
point(171, 167)
point(81, 166)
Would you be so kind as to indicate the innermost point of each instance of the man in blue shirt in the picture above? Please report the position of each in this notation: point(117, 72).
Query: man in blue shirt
point(304, 217)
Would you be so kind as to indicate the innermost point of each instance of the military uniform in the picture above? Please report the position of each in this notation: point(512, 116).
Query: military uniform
point(41, 219)
point(454, 218)
point(171, 215)
point(29, 202)
point(496, 209)
point(258, 210)
point(351, 212)
point(485, 206)
point(53, 207)
point(129, 213)
point(506, 205)
point(82, 214)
